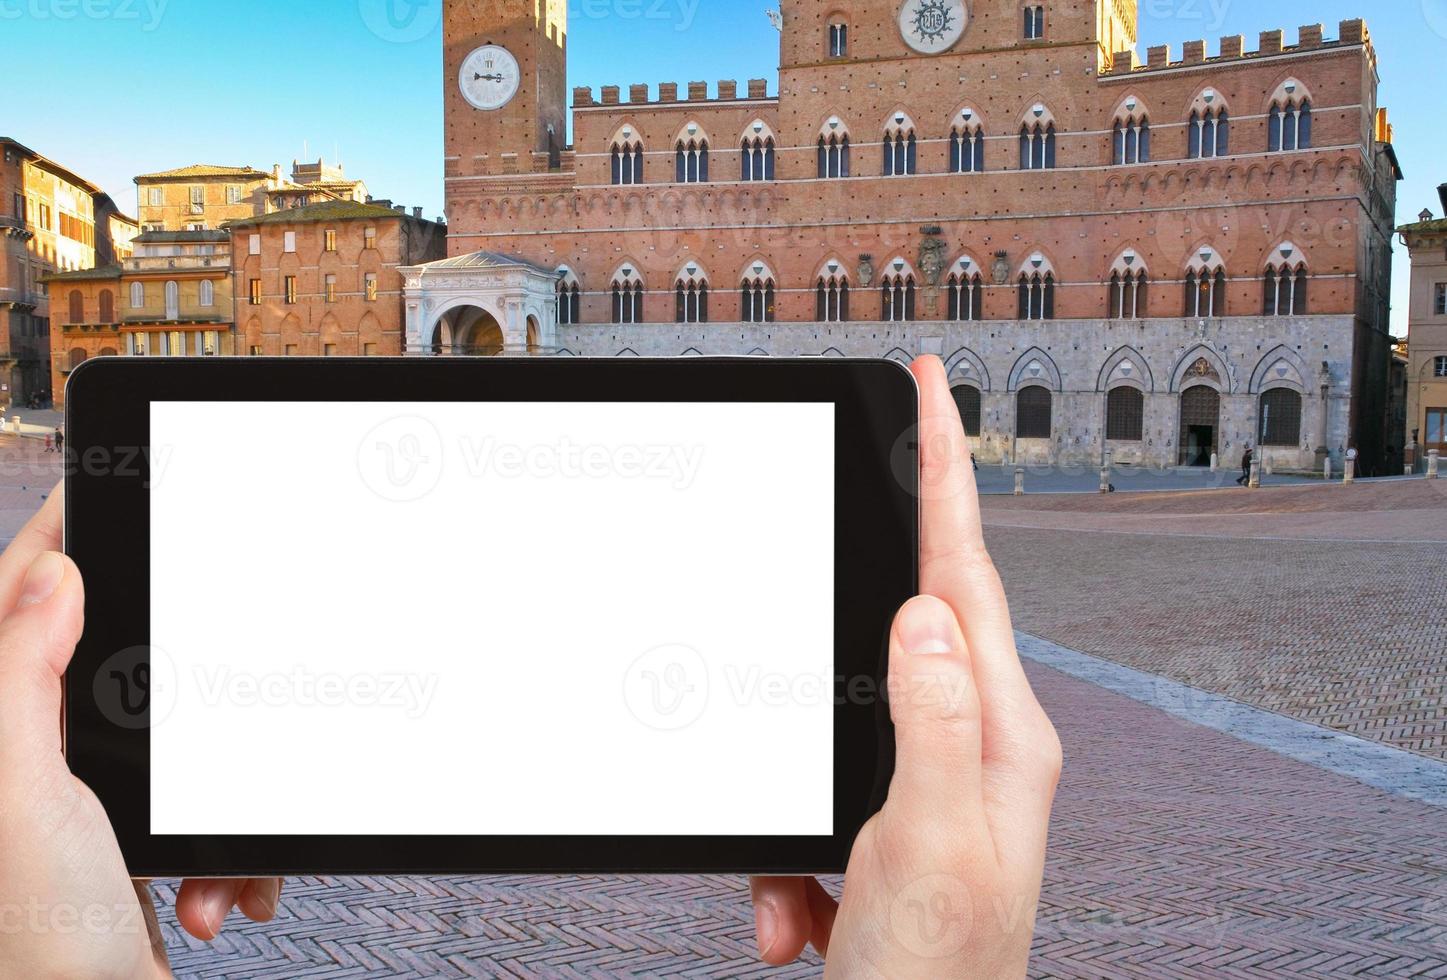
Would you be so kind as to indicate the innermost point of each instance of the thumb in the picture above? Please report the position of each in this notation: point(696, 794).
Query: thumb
point(36, 643)
point(935, 706)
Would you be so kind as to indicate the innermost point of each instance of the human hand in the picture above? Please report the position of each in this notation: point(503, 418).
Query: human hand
point(67, 906)
point(945, 879)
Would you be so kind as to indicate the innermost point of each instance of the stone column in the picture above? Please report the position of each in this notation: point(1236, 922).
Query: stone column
point(1349, 469)
point(1019, 481)
point(1432, 455)
point(1255, 479)
point(1322, 452)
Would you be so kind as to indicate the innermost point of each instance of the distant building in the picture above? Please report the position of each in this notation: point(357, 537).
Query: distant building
point(1426, 421)
point(205, 196)
point(172, 297)
point(51, 220)
point(323, 279)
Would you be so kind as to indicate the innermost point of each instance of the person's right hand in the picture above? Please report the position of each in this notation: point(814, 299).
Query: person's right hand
point(944, 880)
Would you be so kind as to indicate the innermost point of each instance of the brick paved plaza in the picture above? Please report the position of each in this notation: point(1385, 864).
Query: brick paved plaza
point(1176, 850)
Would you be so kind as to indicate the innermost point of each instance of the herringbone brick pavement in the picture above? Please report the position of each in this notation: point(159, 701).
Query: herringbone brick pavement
point(1176, 851)
point(1348, 634)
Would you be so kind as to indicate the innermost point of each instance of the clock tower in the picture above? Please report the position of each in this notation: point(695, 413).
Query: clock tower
point(504, 80)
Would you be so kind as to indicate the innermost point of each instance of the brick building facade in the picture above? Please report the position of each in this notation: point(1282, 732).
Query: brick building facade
point(1426, 369)
point(1160, 259)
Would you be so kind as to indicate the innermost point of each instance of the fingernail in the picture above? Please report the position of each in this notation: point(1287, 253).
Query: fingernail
point(766, 922)
point(270, 895)
point(927, 627)
point(41, 580)
point(217, 905)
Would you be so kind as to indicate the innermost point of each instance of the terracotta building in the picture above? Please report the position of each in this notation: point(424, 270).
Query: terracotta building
point(323, 279)
point(1426, 417)
point(51, 220)
point(205, 196)
point(171, 297)
point(1163, 259)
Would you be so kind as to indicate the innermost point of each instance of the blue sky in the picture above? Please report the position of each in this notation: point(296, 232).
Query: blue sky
point(113, 88)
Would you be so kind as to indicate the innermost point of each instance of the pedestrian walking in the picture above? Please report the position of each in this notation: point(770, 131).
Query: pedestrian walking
point(1245, 478)
point(59, 440)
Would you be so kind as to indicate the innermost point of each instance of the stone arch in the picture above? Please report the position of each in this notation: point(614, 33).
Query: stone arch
point(1034, 367)
point(1281, 367)
point(832, 352)
point(901, 356)
point(1280, 96)
point(627, 352)
point(758, 129)
point(1201, 364)
point(757, 352)
point(1125, 366)
point(1207, 98)
point(1038, 111)
point(964, 365)
point(834, 125)
point(958, 120)
point(692, 352)
point(898, 121)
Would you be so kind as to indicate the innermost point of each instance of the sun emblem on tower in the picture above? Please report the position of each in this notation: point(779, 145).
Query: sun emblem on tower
point(932, 26)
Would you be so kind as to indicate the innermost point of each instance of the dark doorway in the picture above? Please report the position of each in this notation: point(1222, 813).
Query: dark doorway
point(1200, 421)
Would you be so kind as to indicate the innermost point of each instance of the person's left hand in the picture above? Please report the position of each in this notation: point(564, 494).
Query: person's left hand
point(67, 906)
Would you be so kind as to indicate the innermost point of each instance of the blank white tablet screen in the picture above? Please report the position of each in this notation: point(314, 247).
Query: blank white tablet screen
point(492, 618)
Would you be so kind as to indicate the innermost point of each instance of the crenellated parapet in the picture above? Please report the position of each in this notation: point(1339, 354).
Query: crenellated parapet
point(725, 90)
point(1233, 48)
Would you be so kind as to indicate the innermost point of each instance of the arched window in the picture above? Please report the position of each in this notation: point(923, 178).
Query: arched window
point(1127, 299)
point(1034, 21)
point(1209, 133)
point(173, 300)
point(897, 297)
point(967, 146)
point(627, 293)
point(1280, 418)
point(690, 296)
point(967, 291)
point(77, 357)
point(899, 147)
point(1032, 413)
point(1037, 146)
point(107, 306)
point(1125, 414)
point(690, 161)
point(838, 40)
point(831, 297)
point(138, 295)
point(1284, 289)
point(77, 307)
point(1037, 296)
point(1289, 125)
point(834, 155)
point(967, 400)
point(627, 162)
point(756, 295)
point(1206, 285)
point(1131, 140)
point(757, 153)
point(569, 303)
point(206, 293)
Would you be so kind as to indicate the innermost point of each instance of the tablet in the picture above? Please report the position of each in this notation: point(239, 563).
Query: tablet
point(483, 615)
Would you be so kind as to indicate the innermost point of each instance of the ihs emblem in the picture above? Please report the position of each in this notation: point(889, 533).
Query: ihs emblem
point(933, 21)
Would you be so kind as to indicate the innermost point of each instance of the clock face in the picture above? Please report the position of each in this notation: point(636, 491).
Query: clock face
point(489, 77)
point(932, 26)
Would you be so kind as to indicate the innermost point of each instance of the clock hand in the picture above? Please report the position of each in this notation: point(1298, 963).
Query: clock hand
point(491, 78)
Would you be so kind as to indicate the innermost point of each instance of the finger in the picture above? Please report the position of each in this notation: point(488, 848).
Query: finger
point(935, 706)
point(259, 899)
point(822, 909)
point(41, 533)
point(202, 904)
point(782, 918)
point(36, 643)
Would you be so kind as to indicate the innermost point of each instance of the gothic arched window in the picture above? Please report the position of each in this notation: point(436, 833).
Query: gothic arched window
point(1284, 289)
point(627, 162)
point(1125, 414)
point(897, 297)
point(838, 40)
point(756, 299)
point(1280, 417)
point(690, 161)
point(1127, 297)
point(831, 299)
point(690, 296)
point(899, 152)
point(966, 295)
point(967, 149)
point(834, 155)
point(1131, 140)
point(1037, 296)
point(1032, 412)
point(967, 400)
point(758, 158)
point(1209, 133)
point(1037, 146)
point(1289, 125)
point(627, 294)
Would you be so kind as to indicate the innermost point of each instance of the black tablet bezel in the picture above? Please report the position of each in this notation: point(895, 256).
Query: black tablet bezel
point(108, 534)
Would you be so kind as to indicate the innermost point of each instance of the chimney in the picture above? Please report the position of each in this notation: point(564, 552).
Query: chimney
point(400, 209)
point(1442, 193)
point(417, 213)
